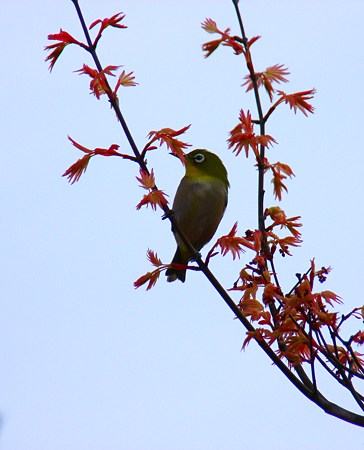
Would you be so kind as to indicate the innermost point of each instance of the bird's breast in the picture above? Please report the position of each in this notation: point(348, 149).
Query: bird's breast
point(199, 206)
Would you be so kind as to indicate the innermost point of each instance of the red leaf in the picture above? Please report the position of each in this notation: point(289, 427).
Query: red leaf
point(299, 100)
point(265, 140)
point(211, 46)
point(79, 146)
point(272, 74)
point(168, 136)
point(236, 46)
point(251, 41)
point(98, 84)
point(276, 73)
point(153, 258)
point(126, 80)
point(150, 277)
point(243, 136)
point(65, 39)
point(232, 243)
point(146, 179)
point(108, 70)
point(331, 297)
point(113, 21)
point(74, 172)
point(154, 198)
point(210, 26)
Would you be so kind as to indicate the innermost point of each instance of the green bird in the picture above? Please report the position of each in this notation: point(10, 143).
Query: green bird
point(199, 205)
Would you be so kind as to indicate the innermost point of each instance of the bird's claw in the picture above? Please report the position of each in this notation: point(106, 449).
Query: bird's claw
point(195, 256)
point(168, 214)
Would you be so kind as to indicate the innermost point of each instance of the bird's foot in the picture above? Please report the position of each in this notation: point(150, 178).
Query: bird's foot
point(196, 256)
point(168, 214)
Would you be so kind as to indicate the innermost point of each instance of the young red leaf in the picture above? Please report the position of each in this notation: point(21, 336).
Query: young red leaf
point(150, 277)
point(126, 80)
point(251, 41)
point(98, 84)
point(278, 185)
point(270, 293)
point(257, 335)
point(251, 307)
point(146, 179)
point(211, 46)
point(153, 258)
point(108, 70)
point(210, 26)
point(235, 45)
point(56, 49)
point(74, 172)
point(285, 168)
point(276, 73)
point(79, 146)
point(265, 140)
point(168, 136)
point(243, 136)
point(288, 241)
point(331, 297)
point(232, 243)
point(111, 151)
point(113, 21)
point(299, 100)
point(272, 74)
point(280, 171)
point(154, 198)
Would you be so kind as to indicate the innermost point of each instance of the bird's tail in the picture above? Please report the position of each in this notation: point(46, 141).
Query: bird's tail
point(174, 274)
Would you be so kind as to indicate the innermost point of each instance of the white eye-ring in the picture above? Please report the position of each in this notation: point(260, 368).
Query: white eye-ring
point(199, 158)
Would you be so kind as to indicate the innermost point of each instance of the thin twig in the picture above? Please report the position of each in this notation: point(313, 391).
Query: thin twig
point(312, 357)
point(112, 100)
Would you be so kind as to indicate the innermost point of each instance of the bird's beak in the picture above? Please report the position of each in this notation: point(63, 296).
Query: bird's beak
point(174, 154)
point(182, 158)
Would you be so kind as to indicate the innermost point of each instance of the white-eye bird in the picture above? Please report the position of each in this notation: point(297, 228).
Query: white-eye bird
point(199, 205)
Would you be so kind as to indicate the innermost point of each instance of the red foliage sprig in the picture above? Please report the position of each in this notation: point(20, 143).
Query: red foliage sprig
point(151, 277)
point(226, 39)
point(243, 136)
point(74, 172)
point(272, 74)
point(56, 49)
point(168, 136)
point(155, 197)
point(113, 21)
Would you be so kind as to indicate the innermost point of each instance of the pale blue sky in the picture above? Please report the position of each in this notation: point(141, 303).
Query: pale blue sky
point(90, 363)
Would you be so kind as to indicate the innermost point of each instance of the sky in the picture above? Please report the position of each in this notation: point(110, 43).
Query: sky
point(90, 363)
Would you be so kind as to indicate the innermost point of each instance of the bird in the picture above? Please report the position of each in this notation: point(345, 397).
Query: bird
point(199, 205)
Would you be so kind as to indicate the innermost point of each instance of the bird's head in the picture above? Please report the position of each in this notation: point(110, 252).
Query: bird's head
point(202, 163)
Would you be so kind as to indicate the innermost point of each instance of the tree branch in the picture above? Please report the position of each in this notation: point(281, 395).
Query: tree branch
point(302, 381)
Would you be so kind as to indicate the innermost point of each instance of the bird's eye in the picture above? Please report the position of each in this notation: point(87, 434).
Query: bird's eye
point(199, 158)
